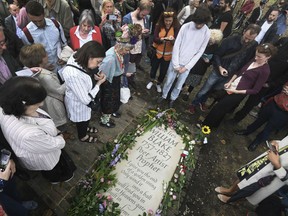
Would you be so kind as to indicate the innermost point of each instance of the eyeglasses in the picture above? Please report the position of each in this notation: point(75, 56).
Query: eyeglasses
point(166, 13)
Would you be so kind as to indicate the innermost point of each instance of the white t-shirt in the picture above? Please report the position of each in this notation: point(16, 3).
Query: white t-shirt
point(264, 29)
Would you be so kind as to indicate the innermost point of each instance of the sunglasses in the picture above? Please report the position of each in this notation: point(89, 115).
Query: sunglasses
point(171, 13)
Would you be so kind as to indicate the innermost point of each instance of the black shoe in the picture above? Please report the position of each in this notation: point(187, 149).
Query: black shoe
point(171, 103)
point(108, 124)
point(65, 178)
point(160, 100)
point(116, 115)
point(252, 147)
point(241, 132)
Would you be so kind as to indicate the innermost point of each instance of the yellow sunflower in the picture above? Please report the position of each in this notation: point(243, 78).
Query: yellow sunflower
point(206, 130)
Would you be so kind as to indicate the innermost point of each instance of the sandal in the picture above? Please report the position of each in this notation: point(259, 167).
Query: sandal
point(89, 139)
point(92, 130)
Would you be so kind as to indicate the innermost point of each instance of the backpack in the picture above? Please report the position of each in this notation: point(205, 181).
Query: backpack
point(30, 38)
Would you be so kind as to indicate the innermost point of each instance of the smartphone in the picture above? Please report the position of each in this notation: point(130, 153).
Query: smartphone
point(5, 157)
point(271, 147)
point(111, 17)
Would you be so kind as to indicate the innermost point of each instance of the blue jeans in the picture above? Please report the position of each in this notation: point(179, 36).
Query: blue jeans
point(214, 81)
point(171, 76)
point(10, 201)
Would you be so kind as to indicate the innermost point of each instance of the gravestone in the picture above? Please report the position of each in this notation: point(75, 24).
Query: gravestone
point(151, 163)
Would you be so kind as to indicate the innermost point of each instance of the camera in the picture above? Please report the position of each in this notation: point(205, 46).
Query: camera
point(111, 17)
point(5, 157)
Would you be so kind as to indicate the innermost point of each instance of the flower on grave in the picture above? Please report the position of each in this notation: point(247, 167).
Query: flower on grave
point(108, 182)
point(104, 204)
point(158, 212)
point(115, 149)
point(206, 130)
point(170, 193)
point(115, 161)
point(101, 208)
point(176, 175)
point(192, 142)
point(150, 212)
point(102, 180)
point(109, 198)
point(205, 141)
point(99, 195)
point(164, 186)
point(174, 197)
point(115, 141)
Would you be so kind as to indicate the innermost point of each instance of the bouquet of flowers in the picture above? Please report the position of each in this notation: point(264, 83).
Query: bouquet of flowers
point(202, 135)
point(130, 33)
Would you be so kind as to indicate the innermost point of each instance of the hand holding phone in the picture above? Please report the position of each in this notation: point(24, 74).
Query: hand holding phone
point(5, 157)
point(111, 17)
point(271, 147)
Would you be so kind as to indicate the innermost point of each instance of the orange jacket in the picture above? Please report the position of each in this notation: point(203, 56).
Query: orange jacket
point(164, 49)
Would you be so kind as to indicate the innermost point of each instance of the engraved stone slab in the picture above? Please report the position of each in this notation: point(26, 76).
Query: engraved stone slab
point(151, 162)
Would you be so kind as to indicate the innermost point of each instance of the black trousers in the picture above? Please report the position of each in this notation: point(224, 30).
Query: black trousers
point(82, 128)
point(155, 62)
point(273, 116)
point(252, 101)
point(225, 105)
point(62, 170)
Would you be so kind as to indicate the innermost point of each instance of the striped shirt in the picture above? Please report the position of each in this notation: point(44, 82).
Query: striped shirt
point(33, 139)
point(78, 87)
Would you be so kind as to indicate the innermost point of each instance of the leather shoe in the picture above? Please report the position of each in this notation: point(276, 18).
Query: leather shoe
point(241, 132)
point(116, 115)
point(108, 124)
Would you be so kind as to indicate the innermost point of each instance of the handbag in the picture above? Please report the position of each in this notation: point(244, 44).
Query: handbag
point(95, 102)
point(125, 94)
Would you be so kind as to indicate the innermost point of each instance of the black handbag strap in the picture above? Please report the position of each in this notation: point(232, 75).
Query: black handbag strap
point(93, 81)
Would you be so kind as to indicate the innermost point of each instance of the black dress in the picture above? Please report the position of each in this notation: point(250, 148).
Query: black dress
point(110, 96)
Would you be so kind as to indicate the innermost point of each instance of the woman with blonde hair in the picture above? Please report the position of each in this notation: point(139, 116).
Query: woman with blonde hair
point(35, 56)
point(111, 22)
point(197, 72)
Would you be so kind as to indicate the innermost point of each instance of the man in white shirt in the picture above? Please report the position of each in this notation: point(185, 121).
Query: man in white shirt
point(189, 46)
point(268, 28)
point(46, 32)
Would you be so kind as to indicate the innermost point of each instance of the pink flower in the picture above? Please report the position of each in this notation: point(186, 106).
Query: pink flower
point(109, 198)
point(174, 197)
point(104, 203)
point(150, 212)
point(102, 180)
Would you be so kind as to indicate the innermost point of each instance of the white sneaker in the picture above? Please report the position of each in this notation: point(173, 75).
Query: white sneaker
point(159, 90)
point(149, 85)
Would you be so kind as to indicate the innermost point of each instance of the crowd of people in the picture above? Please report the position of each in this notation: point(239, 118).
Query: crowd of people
point(80, 54)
